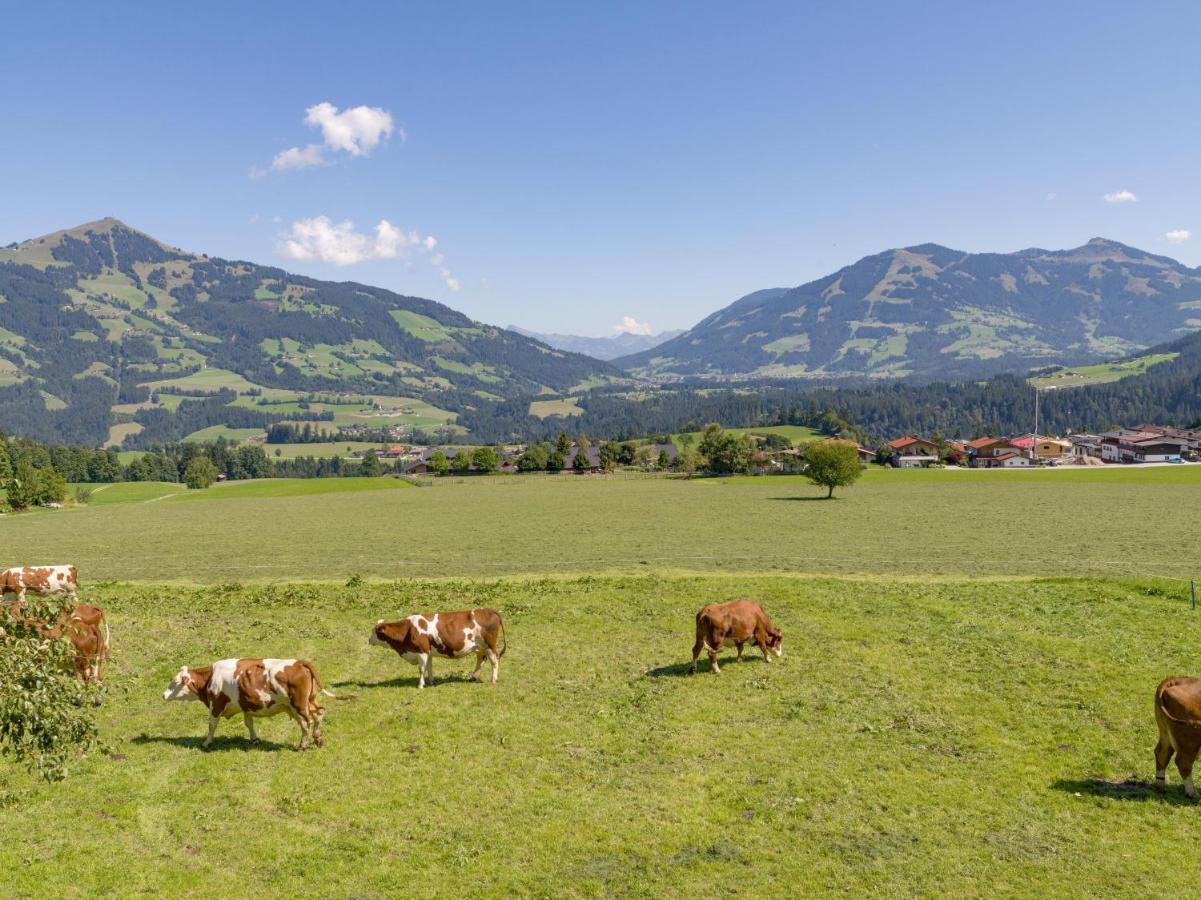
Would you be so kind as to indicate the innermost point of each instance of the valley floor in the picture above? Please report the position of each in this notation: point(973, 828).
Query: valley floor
point(963, 706)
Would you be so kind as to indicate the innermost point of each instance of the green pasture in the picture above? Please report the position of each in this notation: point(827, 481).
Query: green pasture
point(893, 522)
point(1101, 373)
point(919, 737)
point(212, 432)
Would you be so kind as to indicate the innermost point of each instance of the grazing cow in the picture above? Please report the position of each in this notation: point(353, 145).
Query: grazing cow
point(254, 688)
point(722, 624)
point(1178, 715)
point(84, 626)
point(40, 580)
point(419, 637)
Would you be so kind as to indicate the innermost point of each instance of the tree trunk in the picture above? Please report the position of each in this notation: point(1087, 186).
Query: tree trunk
point(830, 496)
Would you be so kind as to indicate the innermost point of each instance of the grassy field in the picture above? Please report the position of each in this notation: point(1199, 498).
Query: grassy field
point(1102, 373)
point(918, 737)
point(966, 523)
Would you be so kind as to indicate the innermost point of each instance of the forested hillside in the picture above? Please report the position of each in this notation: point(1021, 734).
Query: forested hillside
point(1166, 392)
point(103, 328)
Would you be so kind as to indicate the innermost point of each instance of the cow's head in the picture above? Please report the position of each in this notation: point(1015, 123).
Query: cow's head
point(389, 634)
point(374, 638)
point(184, 686)
point(775, 640)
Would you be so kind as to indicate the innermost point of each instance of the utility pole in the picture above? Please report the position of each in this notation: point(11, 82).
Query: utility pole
point(1034, 441)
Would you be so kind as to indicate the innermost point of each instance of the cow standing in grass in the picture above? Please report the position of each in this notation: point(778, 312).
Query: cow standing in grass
point(255, 688)
point(452, 634)
point(735, 623)
point(1178, 715)
point(44, 580)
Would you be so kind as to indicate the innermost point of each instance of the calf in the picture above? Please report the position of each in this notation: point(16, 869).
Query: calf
point(40, 580)
point(84, 626)
point(419, 637)
point(254, 688)
point(1178, 715)
point(722, 624)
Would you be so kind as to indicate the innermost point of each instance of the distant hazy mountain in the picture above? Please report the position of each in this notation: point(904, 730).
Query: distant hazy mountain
point(603, 348)
point(929, 311)
point(103, 329)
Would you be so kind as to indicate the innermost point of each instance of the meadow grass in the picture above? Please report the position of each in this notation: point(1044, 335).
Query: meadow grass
point(1129, 522)
point(919, 736)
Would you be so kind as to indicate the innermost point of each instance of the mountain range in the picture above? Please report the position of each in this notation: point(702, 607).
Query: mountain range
point(103, 329)
point(931, 312)
point(603, 348)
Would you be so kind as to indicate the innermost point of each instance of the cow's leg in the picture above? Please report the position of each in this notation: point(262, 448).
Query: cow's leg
point(713, 666)
point(212, 730)
point(318, 714)
point(302, 722)
point(480, 656)
point(739, 646)
point(1185, 757)
point(422, 660)
point(1163, 756)
point(494, 658)
point(761, 640)
point(249, 720)
point(429, 669)
point(696, 652)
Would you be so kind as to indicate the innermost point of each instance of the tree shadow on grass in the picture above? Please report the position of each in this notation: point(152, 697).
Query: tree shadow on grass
point(229, 742)
point(1122, 789)
point(804, 499)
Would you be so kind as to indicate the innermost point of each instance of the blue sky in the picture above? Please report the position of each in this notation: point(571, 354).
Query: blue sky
point(582, 163)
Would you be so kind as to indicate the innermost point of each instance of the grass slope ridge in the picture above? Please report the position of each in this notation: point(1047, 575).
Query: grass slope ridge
point(932, 312)
point(95, 319)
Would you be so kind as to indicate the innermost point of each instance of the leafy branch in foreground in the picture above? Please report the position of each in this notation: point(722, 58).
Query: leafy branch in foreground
point(46, 714)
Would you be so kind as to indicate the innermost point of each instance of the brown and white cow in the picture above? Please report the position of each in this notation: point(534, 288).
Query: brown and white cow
point(84, 626)
point(255, 688)
point(419, 637)
point(1178, 715)
point(722, 624)
point(40, 580)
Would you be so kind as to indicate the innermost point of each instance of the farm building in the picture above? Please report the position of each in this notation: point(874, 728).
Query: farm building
point(914, 461)
point(1086, 446)
point(996, 453)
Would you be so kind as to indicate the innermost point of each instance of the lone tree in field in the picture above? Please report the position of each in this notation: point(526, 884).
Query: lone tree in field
point(832, 464)
point(200, 473)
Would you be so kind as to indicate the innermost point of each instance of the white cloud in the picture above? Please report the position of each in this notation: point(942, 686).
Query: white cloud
point(630, 325)
point(1179, 236)
point(320, 239)
point(1051, 196)
point(356, 131)
point(1121, 197)
point(297, 158)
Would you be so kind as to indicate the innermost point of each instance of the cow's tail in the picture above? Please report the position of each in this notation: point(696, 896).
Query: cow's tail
point(1159, 705)
point(321, 688)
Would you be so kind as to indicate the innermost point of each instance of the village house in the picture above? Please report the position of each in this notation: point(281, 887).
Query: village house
point(996, 453)
point(1085, 447)
point(909, 452)
point(1042, 448)
point(592, 454)
point(1129, 446)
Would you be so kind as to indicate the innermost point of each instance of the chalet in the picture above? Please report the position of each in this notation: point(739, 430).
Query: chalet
point(996, 453)
point(1191, 436)
point(1085, 446)
point(908, 445)
point(1128, 446)
point(1042, 448)
point(592, 454)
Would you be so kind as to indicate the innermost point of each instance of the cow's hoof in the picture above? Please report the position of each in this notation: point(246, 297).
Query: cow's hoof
point(1159, 787)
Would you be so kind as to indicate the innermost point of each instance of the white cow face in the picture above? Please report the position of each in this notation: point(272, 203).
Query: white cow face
point(373, 638)
point(180, 687)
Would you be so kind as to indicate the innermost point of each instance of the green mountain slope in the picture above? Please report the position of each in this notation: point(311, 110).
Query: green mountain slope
point(929, 311)
point(105, 333)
